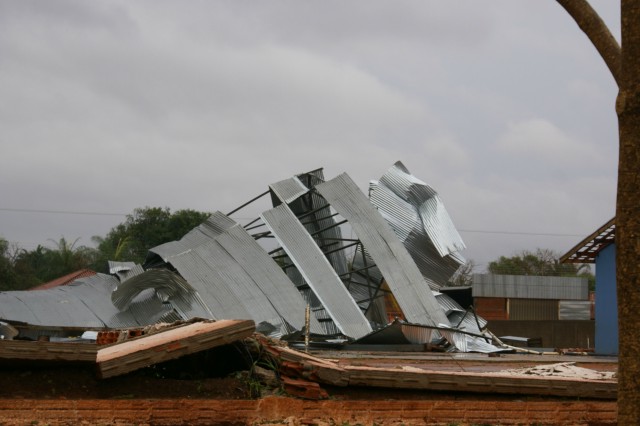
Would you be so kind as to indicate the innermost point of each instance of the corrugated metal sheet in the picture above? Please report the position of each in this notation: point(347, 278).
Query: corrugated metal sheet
point(409, 206)
point(168, 287)
point(115, 267)
point(316, 270)
point(223, 272)
point(458, 340)
point(84, 303)
point(318, 222)
point(530, 287)
point(215, 225)
point(401, 273)
point(533, 309)
point(267, 276)
point(420, 334)
point(235, 277)
point(365, 287)
point(416, 334)
point(575, 310)
point(435, 218)
point(459, 317)
point(398, 333)
point(288, 190)
point(478, 344)
point(217, 278)
point(95, 293)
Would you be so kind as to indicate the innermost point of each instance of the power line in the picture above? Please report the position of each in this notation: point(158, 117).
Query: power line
point(476, 231)
point(61, 212)
point(539, 234)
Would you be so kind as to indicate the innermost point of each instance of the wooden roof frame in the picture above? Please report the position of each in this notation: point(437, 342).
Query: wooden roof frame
point(587, 250)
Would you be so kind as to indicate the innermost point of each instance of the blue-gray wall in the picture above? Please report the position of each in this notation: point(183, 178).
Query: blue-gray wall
point(606, 302)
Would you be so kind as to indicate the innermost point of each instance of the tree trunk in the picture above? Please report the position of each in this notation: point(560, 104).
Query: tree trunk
point(628, 218)
point(624, 64)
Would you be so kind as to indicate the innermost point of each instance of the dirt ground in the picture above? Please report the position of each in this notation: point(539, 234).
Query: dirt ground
point(182, 393)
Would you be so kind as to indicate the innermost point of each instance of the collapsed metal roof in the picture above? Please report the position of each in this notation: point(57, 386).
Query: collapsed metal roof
point(406, 246)
point(419, 219)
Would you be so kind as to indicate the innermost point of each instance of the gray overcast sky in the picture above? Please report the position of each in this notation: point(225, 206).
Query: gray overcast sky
point(503, 106)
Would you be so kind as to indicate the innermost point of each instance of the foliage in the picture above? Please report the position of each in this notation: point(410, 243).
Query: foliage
point(8, 277)
point(145, 228)
point(45, 264)
point(129, 241)
point(541, 262)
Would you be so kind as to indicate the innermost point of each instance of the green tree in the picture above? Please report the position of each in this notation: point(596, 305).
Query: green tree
point(65, 258)
point(28, 266)
point(541, 262)
point(623, 61)
point(45, 264)
point(145, 228)
point(8, 276)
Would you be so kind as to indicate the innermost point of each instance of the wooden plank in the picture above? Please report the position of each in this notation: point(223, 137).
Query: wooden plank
point(480, 382)
point(21, 350)
point(122, 358)
point(408, 377)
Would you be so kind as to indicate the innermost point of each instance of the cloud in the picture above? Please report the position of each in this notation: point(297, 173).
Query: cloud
point(112, 105)
point(547, 147)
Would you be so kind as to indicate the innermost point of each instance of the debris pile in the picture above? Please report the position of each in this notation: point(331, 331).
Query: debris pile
point(402, 247)
point(562, 369)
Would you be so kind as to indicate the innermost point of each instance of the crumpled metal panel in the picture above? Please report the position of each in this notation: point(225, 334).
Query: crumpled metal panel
point(235, 277)
point(435, 218)
point(416, 214)
point(318, 222)
point(168, 287)
point(84, 303)
point(124, 271)
point(391, 257)
point(215, 225)
point(416, 334)
point(458, 317)
point(457, 340)
point(398, 333)
point(268, 277)
point(224, 285)
point(115, 266)
point(478, 344)
point(95, 292)
point(316, 270)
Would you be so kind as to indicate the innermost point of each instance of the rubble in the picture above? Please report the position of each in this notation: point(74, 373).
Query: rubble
point(581, 382)
point(563, 369)
point(133, 354)
point(221, 284)
point(405, 247)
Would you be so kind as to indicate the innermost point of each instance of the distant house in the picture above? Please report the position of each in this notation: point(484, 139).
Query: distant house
point(600, 248)
point(67, 279)
point(531, 297)
point(554, 312)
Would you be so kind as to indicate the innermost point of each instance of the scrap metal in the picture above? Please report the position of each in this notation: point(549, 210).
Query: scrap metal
point(405, 247)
